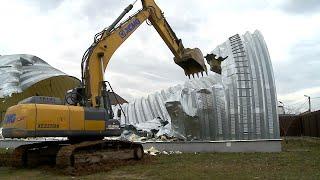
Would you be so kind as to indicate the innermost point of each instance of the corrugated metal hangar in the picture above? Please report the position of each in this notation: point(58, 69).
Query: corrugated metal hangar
point(23, 75)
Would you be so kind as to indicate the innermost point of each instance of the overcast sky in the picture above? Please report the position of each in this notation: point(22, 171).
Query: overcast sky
point(60, 31)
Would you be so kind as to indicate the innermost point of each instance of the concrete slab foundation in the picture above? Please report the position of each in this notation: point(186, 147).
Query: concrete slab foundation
point(267, 145)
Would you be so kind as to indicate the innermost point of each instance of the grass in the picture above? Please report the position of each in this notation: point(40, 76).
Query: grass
point(5, 150)
point(300, 159)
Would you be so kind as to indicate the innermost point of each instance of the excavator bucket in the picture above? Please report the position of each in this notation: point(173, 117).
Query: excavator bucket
point(192, 62)
point(215, 63)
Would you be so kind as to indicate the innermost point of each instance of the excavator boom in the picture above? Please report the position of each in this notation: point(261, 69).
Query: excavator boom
point(190, 60)
point(100, 53)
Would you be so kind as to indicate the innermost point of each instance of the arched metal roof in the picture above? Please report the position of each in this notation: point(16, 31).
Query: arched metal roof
point(23, 75)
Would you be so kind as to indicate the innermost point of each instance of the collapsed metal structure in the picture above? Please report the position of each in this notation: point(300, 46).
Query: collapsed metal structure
point(24, 75)
point(238, 105)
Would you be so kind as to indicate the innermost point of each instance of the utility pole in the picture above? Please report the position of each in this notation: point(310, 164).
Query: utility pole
point(284, 112)
point(309, 99)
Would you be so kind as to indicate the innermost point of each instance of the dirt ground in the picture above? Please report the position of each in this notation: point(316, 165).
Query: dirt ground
point(299, 160)
point(85, 169)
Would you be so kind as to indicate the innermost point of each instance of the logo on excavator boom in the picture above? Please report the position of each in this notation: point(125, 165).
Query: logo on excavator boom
point(129, 28)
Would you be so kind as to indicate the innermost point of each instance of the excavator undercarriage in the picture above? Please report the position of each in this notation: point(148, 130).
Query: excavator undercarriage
point(69, 154)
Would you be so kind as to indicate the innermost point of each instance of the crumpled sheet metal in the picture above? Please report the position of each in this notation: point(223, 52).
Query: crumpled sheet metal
point(144, 113)
point(239, 104)
point(20, 71)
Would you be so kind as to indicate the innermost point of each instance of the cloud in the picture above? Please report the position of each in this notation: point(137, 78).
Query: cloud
point(296, 101)
point(102, 8)
point(44, 6)
point(301, 7)
point(302, 70)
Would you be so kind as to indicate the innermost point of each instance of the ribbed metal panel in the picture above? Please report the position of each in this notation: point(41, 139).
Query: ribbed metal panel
point(249, 86)
point(239, 104)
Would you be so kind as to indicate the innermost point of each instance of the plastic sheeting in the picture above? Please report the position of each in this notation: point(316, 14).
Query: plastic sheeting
point(239, 104)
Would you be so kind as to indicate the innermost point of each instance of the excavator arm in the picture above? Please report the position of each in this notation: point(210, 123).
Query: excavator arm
point(109, 40)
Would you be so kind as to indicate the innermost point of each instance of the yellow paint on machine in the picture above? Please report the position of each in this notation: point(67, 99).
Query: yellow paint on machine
point(52, 117)
point(40, 117)
point(94, 125)
point(76, 118)
point(56, 86)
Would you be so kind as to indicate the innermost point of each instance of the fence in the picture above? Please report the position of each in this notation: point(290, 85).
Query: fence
point(307, 124)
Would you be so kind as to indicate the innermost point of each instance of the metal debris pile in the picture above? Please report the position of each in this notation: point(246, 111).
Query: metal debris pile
point(153, 130)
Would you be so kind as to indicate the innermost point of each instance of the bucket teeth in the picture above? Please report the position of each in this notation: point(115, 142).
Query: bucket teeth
point(191, 61)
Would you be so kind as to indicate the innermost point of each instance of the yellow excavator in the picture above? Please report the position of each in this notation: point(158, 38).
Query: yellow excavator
point(85, 117)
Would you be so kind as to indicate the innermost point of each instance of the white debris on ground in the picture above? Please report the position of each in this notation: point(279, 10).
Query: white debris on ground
point(1, 137)
point(153, 152)
point(126, 135)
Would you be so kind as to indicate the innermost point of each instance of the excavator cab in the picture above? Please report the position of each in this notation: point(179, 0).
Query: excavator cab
point(192, 62)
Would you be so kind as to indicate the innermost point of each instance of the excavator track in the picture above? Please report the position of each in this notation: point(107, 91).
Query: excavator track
point(29, 155)
point(65, 156)
point(69, 154)
point(19, 156)
point(96, 151)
